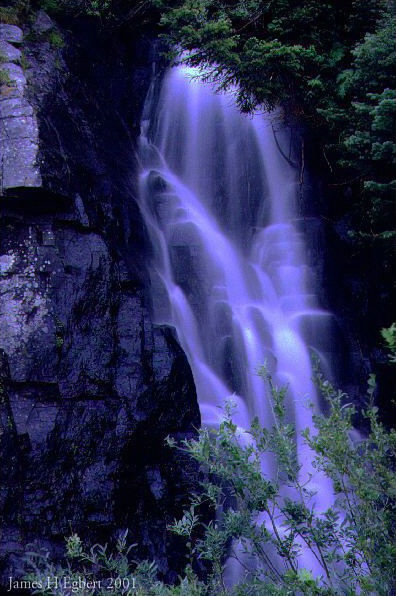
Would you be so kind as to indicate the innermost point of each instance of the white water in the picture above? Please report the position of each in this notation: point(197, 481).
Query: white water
point(229, 269)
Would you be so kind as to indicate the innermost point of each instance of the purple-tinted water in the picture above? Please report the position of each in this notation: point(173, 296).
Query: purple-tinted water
point(229, 268)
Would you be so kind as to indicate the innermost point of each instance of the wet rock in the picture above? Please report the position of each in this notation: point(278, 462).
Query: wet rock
point(17, 78)
point(18, 123)
point(11, 33)
point(43, 23)
point(8, 51)
point(16, 107)
point(9, 449)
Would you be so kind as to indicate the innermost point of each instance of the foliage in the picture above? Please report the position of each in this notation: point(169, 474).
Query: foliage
point(96, 565)
point(109, 13)
point(272, 524)
point(331, 65)
point(106, 10)
point(389, 336)
point(56, 39)
point(15, 12)
point(278, 52)
point(8, 15)
point(5, 78)
point(352, 541)
point(365, 107)
point(74, 6)
point(98, 571)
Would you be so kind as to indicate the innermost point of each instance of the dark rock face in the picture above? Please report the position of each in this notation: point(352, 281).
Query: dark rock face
point(356, 281)
point(89, 386)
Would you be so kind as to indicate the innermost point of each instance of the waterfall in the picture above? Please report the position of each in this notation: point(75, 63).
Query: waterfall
point(229, 269)
point(228, 266)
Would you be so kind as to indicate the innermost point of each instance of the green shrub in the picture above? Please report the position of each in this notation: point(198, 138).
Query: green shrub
point(389, 335)
point(50, 6)
point(96, 8)
point(352, 542)
point(15, 14)
point(56, 39)
point(5, 78)
point(113, 572)
point(9, 15)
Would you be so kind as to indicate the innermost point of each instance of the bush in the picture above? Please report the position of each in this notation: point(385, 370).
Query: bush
point(5, 78)
point(95, 8)
point(8, 15)
point(352, 541)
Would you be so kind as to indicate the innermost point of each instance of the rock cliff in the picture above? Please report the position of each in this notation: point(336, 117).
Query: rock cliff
point(89, 386)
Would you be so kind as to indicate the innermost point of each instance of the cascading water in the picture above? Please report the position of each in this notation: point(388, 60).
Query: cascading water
point(228, 269)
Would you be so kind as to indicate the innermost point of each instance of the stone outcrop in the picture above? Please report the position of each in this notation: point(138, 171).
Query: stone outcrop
point(89, 386)
point(19, 129)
